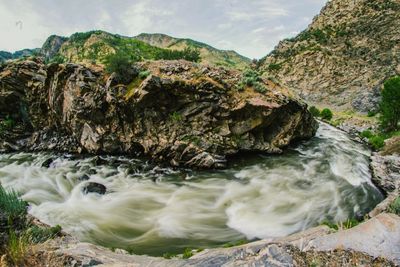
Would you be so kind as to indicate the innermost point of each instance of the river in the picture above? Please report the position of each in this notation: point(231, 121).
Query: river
point(153, 210)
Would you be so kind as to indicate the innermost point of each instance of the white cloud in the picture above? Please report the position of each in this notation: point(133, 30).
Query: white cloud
point(252, 28)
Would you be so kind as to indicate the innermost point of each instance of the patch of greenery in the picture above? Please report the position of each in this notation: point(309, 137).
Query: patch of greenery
point(176, 116)
point(17, 247)
point(11, 204)
point(315, 111)
point(40, 234)
point(377, 142)
point(118, 63)
point(144, 74)
point(326, 114)
point(390, 104)
point(189, 54)
point(274, 67)
point(395, 206)
point(372, 114)
point(349, 223)
point(187, 253)
point(252, 78)
point(235, 243)
point(6, 125)
point(366, 134)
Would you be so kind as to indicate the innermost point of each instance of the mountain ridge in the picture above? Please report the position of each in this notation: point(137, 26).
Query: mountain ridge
point(344, 56)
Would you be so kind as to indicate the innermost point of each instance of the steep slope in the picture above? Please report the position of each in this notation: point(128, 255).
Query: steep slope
point(344, 56)
point(95, 46)
point(209, 54)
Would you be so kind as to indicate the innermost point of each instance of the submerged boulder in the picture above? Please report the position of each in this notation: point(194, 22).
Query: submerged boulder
point(182, 113)
point(94, 188)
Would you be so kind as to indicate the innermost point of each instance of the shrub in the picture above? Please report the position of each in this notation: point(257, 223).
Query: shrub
point(144, 74)
point(326, 114)
point(274, 67)
point(176, 116)
point(252, 78)
point(390, 104)
point(366, 134)
point(259, 87)
point(315, 111)
point(371, 113)
point(377, 142)
point(118, 63)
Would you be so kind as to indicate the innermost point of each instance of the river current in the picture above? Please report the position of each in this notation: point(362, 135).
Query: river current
point(153, 210)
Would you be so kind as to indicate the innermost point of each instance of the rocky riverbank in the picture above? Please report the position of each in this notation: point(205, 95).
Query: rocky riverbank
point(176, 112)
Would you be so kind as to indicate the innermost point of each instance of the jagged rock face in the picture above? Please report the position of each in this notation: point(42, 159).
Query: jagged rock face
point(182, 113)
point(344, 56)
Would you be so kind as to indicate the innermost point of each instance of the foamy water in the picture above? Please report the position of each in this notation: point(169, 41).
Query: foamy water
point(153, 210)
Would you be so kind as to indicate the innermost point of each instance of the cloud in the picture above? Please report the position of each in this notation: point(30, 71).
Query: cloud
point(252, 28)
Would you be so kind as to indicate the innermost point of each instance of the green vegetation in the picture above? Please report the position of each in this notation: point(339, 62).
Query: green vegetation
point(6, 125)
point(19, 232)
point(274, 67)
point(395, 206)
point(189, 54)
point(187, 253)
point(235, 243)
point(118, 63)
point(252, 78)
point(176, 116)
point(390, 105)
point(376, 141)
point(326, 114)
point(58, 59)
point(144, 74)
point(315, 111)
point(349, 223)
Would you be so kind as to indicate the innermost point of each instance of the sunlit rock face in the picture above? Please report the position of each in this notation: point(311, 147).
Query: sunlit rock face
point(181, 113)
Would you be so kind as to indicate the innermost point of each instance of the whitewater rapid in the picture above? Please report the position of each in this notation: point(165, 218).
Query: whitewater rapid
point(153, 210)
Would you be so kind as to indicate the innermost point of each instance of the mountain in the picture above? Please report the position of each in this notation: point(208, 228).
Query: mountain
point(343, 57)
point(95, 46)
point(209, 54)
point(4, 55)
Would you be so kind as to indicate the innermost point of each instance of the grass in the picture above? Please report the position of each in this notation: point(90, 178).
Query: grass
point(11, 204)
point(6, 125)
point(349, 223)
point(235, 243)
point(20, 233)
point(395, 206)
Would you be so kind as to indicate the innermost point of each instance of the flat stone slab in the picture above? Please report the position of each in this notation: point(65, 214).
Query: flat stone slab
point(378, 237)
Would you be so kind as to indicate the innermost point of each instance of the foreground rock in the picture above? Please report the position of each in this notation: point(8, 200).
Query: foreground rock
point(296, 250)
point(182, 113)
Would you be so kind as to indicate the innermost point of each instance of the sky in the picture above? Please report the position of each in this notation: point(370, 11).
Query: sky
point(250, 27)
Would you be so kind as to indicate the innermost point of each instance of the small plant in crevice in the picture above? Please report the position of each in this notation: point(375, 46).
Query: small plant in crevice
point(144, 74)
point(395, 206)
point(176, 116)
point(349, 223)
point(187, 253)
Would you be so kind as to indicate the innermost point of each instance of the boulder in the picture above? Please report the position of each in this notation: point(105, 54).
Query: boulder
point(94, 188)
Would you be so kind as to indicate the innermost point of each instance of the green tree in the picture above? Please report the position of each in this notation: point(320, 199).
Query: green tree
point(315, 111)
point(326, 114)
point(120, 63)
point(390, 104)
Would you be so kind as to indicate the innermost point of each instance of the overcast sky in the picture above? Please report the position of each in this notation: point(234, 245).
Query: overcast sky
point(250, 27)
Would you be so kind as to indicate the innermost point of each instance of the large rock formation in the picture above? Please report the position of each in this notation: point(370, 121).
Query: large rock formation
point(182, 113)
point(344, 56)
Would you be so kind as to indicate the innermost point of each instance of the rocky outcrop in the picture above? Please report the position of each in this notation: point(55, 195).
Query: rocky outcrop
point(314, 247)
point(343, 57)
point(181, 113)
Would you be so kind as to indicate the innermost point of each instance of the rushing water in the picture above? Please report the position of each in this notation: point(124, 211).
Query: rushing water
point(153, 210)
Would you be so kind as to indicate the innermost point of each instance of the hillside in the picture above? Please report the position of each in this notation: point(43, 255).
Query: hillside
point(209, 54)
point(343, 57)
point(4, 55)
point(95, 46)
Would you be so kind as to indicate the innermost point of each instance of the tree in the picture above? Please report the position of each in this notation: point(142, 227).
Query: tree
point(315, 111)
point(390, 104)
point(326, 114)
point(119, 63)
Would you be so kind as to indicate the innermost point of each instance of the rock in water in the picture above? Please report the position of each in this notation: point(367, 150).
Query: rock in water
point(182, 113)
point(94, 188)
